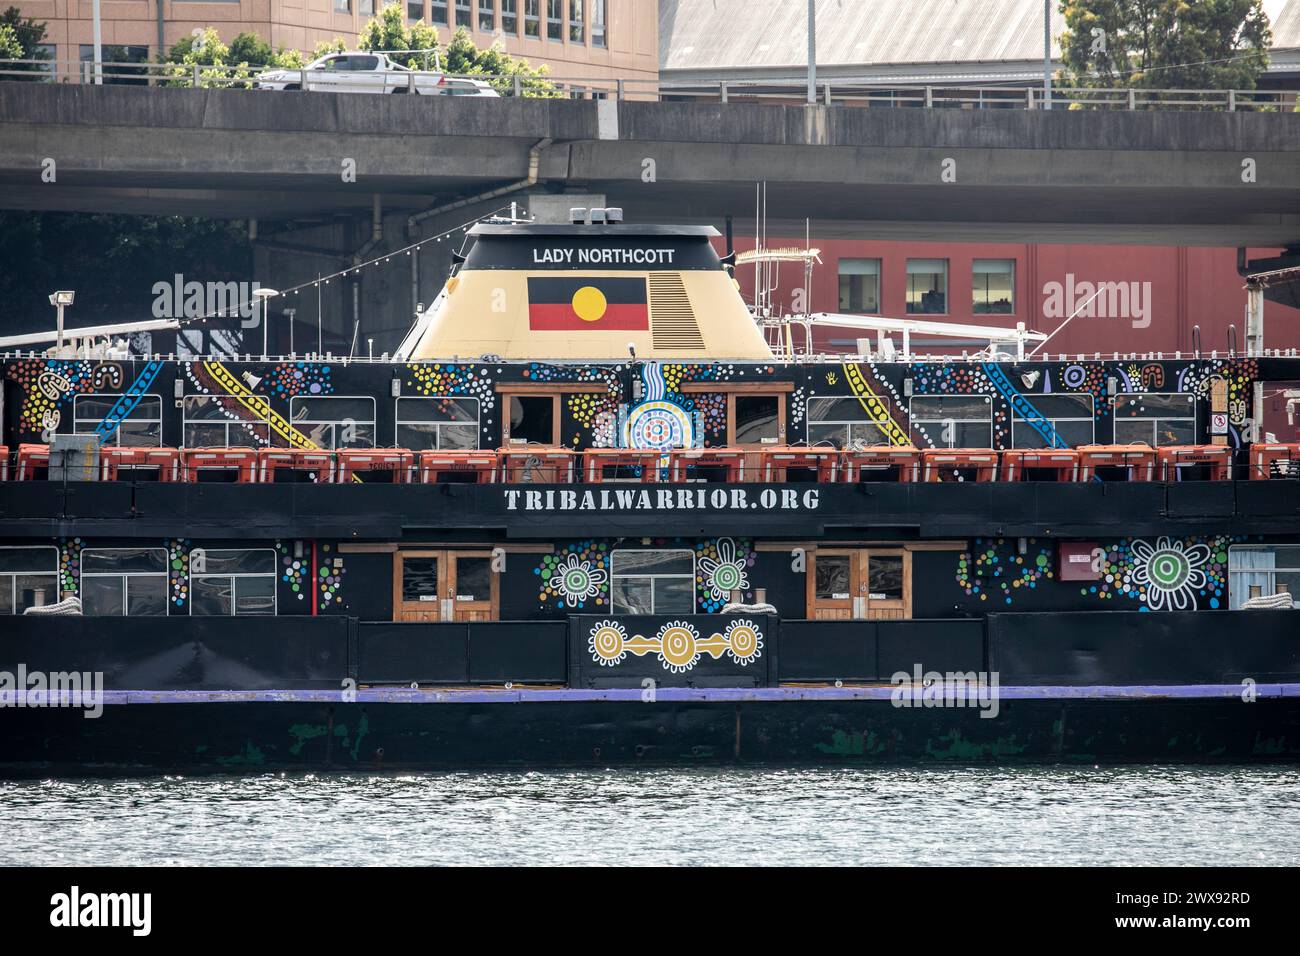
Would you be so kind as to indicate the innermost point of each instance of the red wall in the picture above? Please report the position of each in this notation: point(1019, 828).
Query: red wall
point(1189, 287)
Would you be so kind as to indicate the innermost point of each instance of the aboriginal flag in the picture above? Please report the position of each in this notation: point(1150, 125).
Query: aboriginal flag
point(587, 302)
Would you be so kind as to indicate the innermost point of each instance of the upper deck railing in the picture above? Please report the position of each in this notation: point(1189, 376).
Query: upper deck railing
point(779, 92)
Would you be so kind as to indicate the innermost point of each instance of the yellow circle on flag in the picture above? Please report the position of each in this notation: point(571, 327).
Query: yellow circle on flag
point(589, 303)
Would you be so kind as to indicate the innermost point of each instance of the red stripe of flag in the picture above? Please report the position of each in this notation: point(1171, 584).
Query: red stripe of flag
point(560, 317)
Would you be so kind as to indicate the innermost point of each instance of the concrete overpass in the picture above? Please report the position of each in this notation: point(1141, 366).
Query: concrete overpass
point(1019, 175)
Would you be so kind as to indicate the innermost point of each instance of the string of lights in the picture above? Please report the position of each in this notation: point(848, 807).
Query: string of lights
point(354, 269)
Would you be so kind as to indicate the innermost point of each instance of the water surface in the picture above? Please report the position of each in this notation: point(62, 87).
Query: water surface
point(947, 817)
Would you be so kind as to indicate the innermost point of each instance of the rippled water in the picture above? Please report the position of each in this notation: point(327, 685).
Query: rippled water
point(976, 816)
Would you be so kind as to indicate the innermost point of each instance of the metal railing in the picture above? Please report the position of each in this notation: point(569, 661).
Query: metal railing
point(774, 92)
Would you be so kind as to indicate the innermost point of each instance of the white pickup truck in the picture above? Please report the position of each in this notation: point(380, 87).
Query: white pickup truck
point(369, 73)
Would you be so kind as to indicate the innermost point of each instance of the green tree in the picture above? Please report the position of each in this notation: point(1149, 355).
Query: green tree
point(387, 31)
point(496, 66)
point(251, 50)
point(21, 39)
point(1164, 44)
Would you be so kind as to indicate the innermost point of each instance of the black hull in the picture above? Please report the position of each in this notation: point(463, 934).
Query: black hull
point(250, 736)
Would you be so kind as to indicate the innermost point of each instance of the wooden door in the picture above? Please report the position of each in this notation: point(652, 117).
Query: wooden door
point(444, 586)
point(871, 584)
point(419, 583)
point(472, 586)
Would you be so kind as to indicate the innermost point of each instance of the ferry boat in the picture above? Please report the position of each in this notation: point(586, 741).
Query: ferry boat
point(594, 513)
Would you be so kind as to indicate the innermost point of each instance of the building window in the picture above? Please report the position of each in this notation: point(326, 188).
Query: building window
point(50, 53)
point(487, 15)
point(555, 19)
point(993, 285)
point(29, 577)
point(415, 9)
point(115, 64)
point(206, 423)
point(437, 423)
point(533, 19)
point(1155, 418)
point(510, 17)
point(859, 285)
point(652, 582)
point(927, 286)
point(229, 581)
point(335, 421)
point(577, 28)
point(141, 426)
point(124, 581)
point(365, 7)
point(438, 12)
point(598, 37)
point(1068, 417)
point(1262, 571)
point(342, 6)
point(848, 422)
point(954, 421)
point(464, 14)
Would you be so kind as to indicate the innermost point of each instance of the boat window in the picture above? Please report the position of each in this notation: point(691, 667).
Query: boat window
point(832, 577)
point(1262, 571)
point(859, 285)
point(993, 284)
point(954, 421)
point(29, 577)
point(335, 421)
point(1064, 417)
point(140, 425)
point(437, 423)
point(927, 286)
point(848, 422)
point(885, 577)
point(124, 581)
point(207, 423)
point(1155, 418)
point(533, 418)
point(225, 581)
point(652, 582)
point(757, 419)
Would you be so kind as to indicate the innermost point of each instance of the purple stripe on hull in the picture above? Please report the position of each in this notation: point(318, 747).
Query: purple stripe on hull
point(406, 695)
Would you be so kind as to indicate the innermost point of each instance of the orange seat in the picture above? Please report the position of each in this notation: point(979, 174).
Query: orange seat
point(32, 459)
point(685, 464)
point(537, 466)
point(1135, 462)
point(470, 467)
point(1051, 464)
point(239, 464)
point(113, 458)
point(597, 461)
point(395, 465)
point(1267, 460)
point(959, 464)
point(287, 464)
point(882, 462)
point(821, 464)
point(1216, 459)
